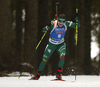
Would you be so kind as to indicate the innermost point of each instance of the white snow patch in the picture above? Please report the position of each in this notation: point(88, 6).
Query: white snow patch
point(44, 81)
point(14, 74)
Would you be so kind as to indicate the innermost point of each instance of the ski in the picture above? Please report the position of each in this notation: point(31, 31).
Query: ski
point(58, 80)
point(33, 79)
point(62, 80)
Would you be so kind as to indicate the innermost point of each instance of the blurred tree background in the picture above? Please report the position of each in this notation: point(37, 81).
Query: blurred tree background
point(21, 23)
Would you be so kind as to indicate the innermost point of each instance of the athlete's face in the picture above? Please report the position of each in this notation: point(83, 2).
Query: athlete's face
point(60, 24)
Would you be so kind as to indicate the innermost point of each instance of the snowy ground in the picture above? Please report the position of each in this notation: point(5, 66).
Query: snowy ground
point(44, 81)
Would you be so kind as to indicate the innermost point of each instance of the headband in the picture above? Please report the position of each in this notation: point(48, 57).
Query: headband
point(61, 19)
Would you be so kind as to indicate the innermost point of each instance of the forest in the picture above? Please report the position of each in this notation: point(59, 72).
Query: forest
point(21, 24)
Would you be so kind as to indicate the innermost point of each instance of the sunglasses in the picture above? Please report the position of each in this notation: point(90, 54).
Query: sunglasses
point(61, 23)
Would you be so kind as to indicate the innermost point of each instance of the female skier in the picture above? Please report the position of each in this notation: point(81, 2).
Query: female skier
point(56, 42)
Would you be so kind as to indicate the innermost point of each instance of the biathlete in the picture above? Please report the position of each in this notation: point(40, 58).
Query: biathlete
point(56, 42)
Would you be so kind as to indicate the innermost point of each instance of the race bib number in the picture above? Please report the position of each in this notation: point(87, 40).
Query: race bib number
point(59, 35)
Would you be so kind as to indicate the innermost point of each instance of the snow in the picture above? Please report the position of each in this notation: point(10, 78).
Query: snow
point(94, 49)
point(44, 81)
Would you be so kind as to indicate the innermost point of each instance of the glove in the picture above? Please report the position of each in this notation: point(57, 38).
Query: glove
point(78, 21)
point(45, 29)
point(77, 15)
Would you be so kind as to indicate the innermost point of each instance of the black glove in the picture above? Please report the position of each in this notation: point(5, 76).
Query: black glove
point(77, 15)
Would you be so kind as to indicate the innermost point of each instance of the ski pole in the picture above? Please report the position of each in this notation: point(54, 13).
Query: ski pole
point(40, 40)
point(76, 41)
point(76, 26)
point(35, 49)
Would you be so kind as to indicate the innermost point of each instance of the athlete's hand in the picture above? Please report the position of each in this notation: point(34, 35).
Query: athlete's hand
point(78, 21)
point(45, 29)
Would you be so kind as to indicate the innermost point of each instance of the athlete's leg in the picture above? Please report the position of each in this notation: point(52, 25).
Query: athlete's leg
point(61, 49)
point(47, 53)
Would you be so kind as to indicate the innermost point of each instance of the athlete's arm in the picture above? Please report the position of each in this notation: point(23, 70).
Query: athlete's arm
point(50, 27)
point(71, 24)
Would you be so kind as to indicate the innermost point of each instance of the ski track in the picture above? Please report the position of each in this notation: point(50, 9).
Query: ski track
point(44, 81)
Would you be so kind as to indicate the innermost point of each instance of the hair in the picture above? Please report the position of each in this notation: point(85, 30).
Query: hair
point(62, 16)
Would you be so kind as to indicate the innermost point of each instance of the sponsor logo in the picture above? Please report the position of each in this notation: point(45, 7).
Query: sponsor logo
point(44, 60)
point(45, 56)
point(63, 54)
point(49, 50)
point(62, 57)
point(62, 48)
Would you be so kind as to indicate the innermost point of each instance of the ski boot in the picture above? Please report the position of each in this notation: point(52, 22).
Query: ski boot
point(37, 76)
point(58, 75)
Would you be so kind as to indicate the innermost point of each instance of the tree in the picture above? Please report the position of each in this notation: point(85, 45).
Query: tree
point(96, 25)
point(84, 59)
point(19, 27)
point(6, 55)
point(42, 22)
point(31, 28)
